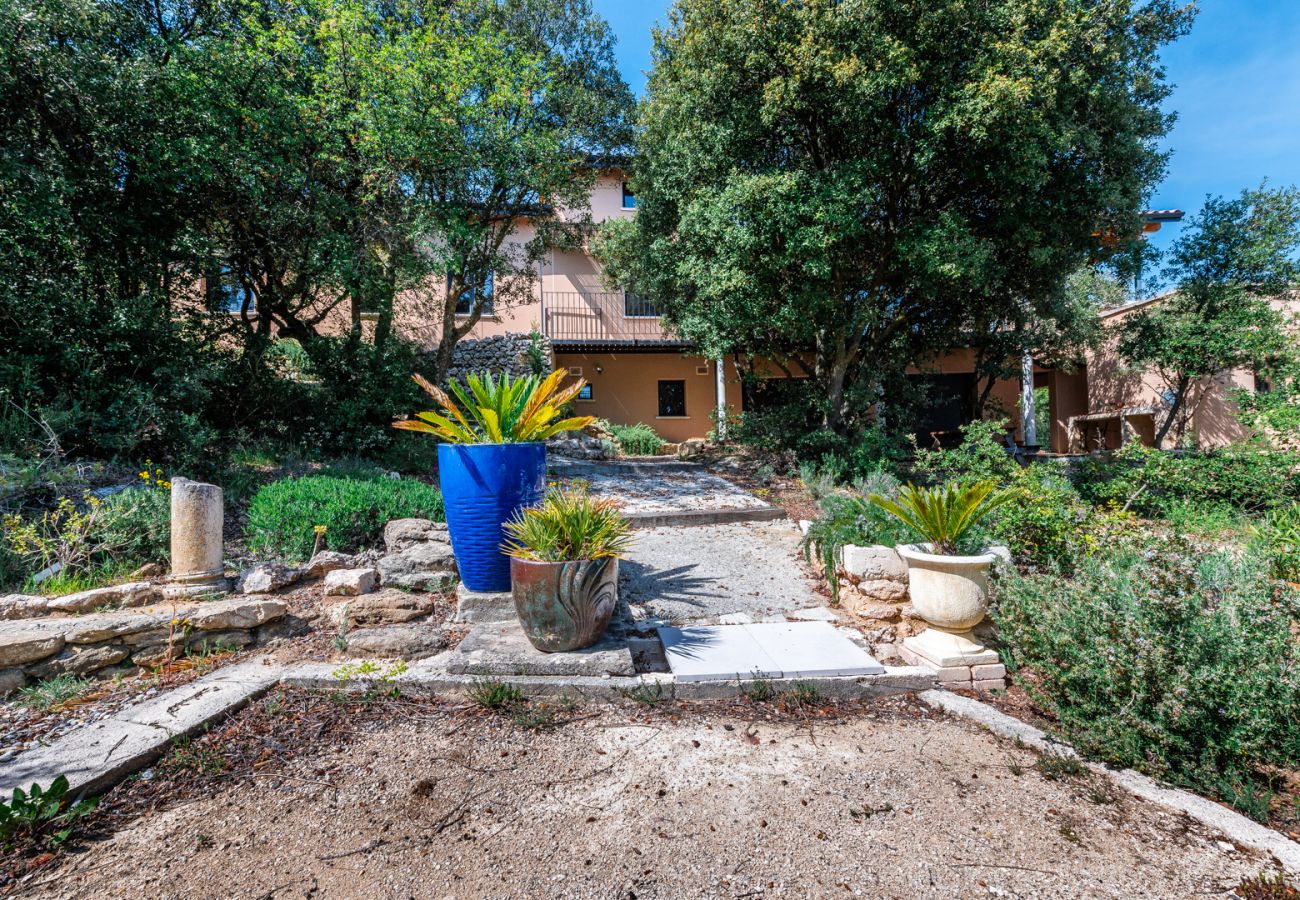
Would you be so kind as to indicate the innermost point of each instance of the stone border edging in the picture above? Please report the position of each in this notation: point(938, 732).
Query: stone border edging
point(689, 517)
point(1235, 826)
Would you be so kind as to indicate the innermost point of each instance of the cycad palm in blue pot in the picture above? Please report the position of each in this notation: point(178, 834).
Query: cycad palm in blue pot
point(493, 460)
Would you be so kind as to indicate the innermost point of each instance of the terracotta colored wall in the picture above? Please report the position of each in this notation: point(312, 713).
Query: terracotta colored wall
point(626, 389)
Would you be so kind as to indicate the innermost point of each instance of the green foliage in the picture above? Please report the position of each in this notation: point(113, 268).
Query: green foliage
point(1047, 524)
point(1149, 481)
point(135, 525)
point(39, 816)
point(1277, 537)
point(847, 520)
point(777, 216)
point(981, 456)
point(52, 691)
point(568, 525)
point(1176, 661)
point(490, 693)
point(636, 440)
point(942, 516)
point(283, 515)
point(1227, 263)
point(498, 409)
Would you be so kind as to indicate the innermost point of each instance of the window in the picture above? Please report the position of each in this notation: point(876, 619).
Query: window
point(635, 307)
point(672, 399)
point(586, 393)
point(465, 305)
point(228, 293)
point(629, 198)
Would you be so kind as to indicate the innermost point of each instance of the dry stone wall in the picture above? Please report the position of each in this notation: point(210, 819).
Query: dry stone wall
point(498, 353)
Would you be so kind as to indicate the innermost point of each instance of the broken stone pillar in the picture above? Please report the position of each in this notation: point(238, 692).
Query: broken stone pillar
point(198, 512)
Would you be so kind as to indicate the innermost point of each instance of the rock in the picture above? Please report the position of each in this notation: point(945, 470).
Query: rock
point(691, 447)
point(429, 566)
point(105, 626)
point(880, 611)
point(11, 680)
point(23, 606)
point(236, 613)
point(580, 445)
point(349, 582)
point(397, 641)
point(400, 534)
point(134, 593)
point(284, 627)
point(875, 563)
point(80, 660)
point(21, 646)
point(148, 657)
point(908, 611)
point(882, 591)
point(211, 641)
point(328, 561)
point(148, 570)
point(383, 608)
point(267, 577)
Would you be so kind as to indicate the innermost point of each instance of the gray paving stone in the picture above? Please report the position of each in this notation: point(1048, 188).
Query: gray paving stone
point(501, 649)
point(764, 650)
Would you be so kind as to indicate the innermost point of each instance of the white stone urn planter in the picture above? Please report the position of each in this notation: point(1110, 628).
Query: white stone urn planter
point(951, 594)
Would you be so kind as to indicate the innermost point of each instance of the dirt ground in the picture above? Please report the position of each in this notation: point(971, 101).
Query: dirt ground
point(305, 795)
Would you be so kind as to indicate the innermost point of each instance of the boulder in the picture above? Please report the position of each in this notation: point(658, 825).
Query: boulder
point(11, 680)
point(397, 642)
point(399, 534)
point(875, 563)
point(118, 596)
point(349, 582)
point(267, 577)
point(328, 561)
point(429, 566)
point(80, 660)
point(383, 608)
point(236, 613)
point(20, 646)
point(148, 570)
point(691, 447)
point(23, 606)
point(96, 629)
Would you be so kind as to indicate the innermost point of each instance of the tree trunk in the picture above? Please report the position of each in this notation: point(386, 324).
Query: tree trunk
point(1180, 393)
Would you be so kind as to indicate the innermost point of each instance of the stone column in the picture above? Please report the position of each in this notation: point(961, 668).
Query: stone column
point(1028, 424)
point(721, 394)
point(198, 512)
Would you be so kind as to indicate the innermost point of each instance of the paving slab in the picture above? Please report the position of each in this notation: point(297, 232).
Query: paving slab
point(763, 650)
point(98, 755)
point(501, 648)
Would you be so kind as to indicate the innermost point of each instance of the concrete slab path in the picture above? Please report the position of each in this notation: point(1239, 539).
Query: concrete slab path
point(688, 574)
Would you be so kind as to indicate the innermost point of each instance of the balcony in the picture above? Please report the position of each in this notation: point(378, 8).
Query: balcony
point(607, 318)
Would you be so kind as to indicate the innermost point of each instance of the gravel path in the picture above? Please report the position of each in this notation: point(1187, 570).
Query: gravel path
point(689, 801)
point(640, 487)
point(707, 571)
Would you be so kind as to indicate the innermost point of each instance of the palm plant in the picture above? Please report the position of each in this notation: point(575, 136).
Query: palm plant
point(498, 410)
point(568, 525)
point(943, 515)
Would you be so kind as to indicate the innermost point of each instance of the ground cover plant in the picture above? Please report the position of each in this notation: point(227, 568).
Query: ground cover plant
point(1169, 657)
point(283, 517)
point(636, 440)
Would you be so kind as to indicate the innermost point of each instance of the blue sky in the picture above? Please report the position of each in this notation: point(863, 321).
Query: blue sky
point(1237, 95)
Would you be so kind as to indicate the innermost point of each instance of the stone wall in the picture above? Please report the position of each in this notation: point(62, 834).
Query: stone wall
point(104, 643)
point(498, 353)
point(873, 585)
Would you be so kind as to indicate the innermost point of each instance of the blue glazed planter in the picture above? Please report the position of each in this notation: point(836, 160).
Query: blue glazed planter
point(483, 486)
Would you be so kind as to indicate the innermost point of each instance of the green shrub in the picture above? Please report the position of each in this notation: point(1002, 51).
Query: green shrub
point(848, 520)
point(1277, 537)
point(1171, 660)
point(637, 440)
point(283, 515)
point(982, 456)
point(1149, 481)
point(1047, 525)
point(135, 525)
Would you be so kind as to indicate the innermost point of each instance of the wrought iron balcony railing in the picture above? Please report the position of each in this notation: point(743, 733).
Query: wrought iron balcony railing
point(594, 317)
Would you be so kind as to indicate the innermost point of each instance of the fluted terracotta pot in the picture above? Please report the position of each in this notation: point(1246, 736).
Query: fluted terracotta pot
point(564, 605)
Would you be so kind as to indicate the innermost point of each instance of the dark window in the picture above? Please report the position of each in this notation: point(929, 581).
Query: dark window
point(629, 198)
point(228, 292)
point(585, 392)
point(636, 306)
point(465, 305)
point(672, 398)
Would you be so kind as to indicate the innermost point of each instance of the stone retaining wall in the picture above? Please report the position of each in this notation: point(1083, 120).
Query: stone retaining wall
point(498, 353)
point(873, 585)
point(108, 642)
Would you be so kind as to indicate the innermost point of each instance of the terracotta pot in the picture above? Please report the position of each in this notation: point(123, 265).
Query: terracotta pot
point(949, 592)
point(564, 605)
